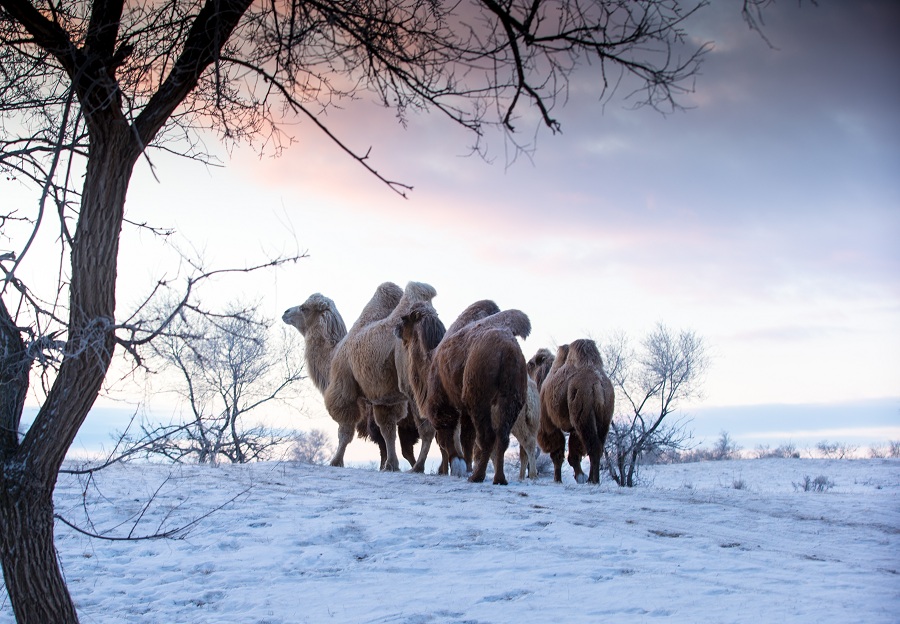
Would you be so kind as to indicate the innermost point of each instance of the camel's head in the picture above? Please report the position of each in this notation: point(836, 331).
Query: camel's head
point(543, 358)
point(422, 323)
point(318, 313)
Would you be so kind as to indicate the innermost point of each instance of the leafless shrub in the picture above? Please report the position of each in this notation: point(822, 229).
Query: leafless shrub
point(819, 484)
point(311, 447)
point(889, 450)
point(544, 465)
point(724, 449)
point(784, 451)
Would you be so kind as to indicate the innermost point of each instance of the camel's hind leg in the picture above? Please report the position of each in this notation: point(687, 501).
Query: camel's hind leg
point(408, 435)
point(508, 411)
point(445, 421)
point(576, 452)
point(552, 442)
point(455, 464)
point(485, 438)
point(466, 441)
point(527, 459)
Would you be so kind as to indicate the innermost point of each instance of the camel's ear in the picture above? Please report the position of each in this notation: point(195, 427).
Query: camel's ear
point(406, 320)
point(398, 328)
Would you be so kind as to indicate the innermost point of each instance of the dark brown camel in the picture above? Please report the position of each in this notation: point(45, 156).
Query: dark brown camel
point(476, 373)
point(577, 398)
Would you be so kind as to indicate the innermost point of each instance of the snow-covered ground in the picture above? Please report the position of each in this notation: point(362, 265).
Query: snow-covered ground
point(708, 542)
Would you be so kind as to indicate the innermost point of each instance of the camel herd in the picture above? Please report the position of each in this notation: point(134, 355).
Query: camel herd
point(398, 375)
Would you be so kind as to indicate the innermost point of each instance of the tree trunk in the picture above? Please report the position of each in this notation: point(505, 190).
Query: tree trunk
point(29, 470)
point(37, 590)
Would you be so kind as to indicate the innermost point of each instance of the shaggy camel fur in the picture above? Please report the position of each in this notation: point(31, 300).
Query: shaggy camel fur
point(420, 331)
point(577, 397)
point(539, 366)
point(476, 372)
point(525, 428)
point(323, 329)
point(465, 433)
point(374, 361)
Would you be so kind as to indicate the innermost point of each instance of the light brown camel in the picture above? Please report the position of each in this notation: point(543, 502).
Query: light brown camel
point(525, 430)
point(476, 372)
point(578, 398)
point(374, 360)
point(324, 332)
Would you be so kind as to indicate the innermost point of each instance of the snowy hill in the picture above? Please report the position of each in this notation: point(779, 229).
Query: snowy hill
point(708, 542)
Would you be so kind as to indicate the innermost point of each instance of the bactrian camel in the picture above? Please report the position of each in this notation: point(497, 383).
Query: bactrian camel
point(477, 373)
point(324, 332)
point(421, 331)
point(577, 397)
point(372, 352)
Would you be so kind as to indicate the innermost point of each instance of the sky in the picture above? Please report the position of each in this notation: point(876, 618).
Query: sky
point(765, 217)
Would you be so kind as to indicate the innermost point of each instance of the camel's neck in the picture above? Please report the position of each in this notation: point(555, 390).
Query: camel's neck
point(419, 366)
point(319, 351)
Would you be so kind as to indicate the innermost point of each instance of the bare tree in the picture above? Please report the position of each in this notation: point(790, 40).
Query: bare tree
point(835, 450)
point(651, 383)
point(725, 448)
point(89, 87)
point(227, 367)
point(787, 450)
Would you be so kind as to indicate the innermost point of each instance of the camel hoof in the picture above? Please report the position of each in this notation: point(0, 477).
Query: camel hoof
point(458, 467)
point(580, 478)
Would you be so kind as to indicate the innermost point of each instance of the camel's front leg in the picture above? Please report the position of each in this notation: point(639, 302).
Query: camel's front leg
point(426, 435)
point(387, 417)
point(345, 436)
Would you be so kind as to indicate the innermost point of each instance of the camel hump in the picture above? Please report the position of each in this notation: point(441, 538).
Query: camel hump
point(420, 291)
point(515, 321)
point(380, 306)
point(584, 352)
point(562, 354)
point(388, 290)
point(475, 312)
